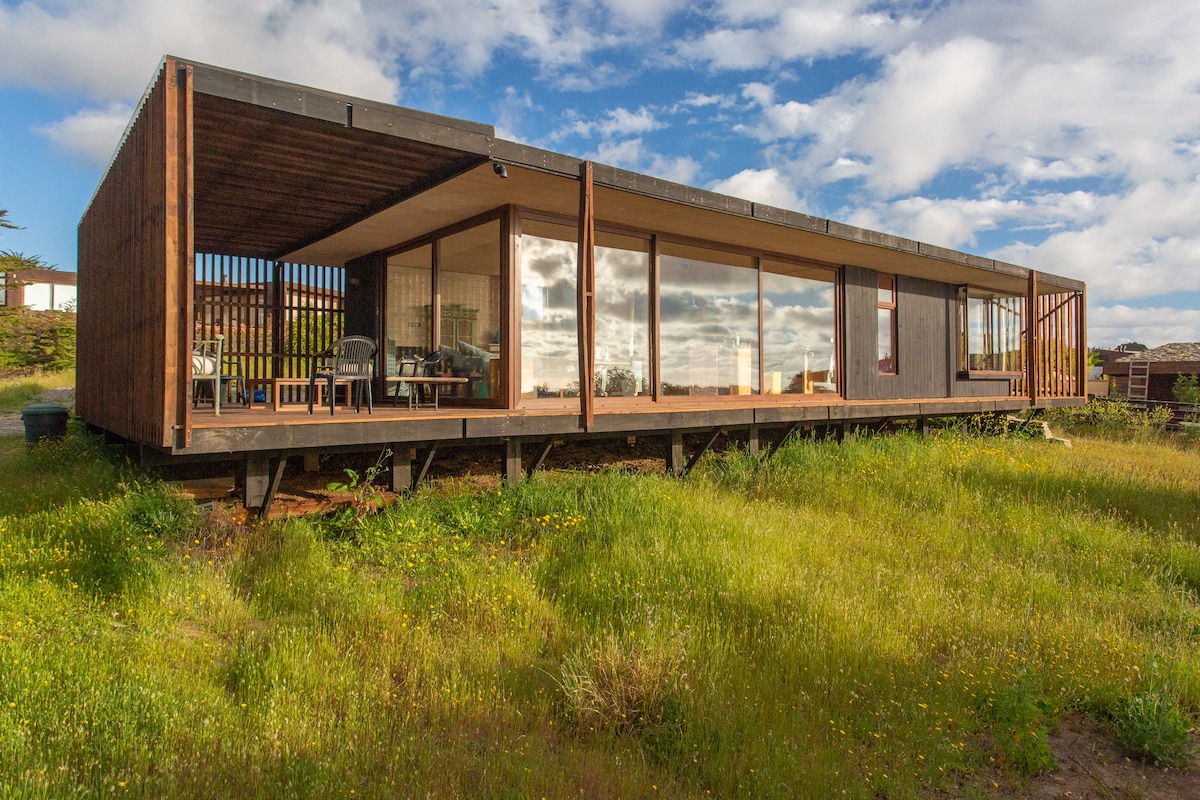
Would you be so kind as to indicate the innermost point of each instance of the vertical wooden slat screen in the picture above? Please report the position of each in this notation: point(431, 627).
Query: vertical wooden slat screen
point(1058, 365)
point(274, 315)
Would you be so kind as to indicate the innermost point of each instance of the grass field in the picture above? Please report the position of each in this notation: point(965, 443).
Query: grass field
point(889, 617)
point(18, 392)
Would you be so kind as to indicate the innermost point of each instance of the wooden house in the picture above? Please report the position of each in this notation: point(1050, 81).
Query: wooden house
point(576, 299)
point(1151, 374)
point(38, 289)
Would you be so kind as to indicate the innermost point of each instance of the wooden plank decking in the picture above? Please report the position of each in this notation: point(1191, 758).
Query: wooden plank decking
point(240, 430)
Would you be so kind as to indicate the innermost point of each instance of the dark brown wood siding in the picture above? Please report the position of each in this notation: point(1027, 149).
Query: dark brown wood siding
point(132, 240)
point(926, 330)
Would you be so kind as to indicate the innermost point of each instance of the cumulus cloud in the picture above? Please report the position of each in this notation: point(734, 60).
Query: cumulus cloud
point(613, 124)
point(633, 154)
point(92, 133)
point(761, 186)
point(1109, 326)
point(756, 34)
point(106, 48)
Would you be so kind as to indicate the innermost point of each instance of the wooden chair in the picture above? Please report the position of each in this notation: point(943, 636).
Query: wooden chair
point(348, 360)
point(209, 366)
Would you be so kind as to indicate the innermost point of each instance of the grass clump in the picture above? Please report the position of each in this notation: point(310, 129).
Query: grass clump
point(1150, 726)
point(20, 390)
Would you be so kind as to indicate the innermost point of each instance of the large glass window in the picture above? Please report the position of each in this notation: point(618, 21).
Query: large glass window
point(799, 329)
point(991, 328)
point(622, 316)
point(708, 322)
point(549, 315)
point(406, 326)
point(886, 319)
point(469, 330)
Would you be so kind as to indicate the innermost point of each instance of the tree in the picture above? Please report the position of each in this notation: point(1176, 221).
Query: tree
point(11, 260)
point(4, 223)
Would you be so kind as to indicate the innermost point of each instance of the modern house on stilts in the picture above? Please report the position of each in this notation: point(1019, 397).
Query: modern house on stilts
point(562, 298)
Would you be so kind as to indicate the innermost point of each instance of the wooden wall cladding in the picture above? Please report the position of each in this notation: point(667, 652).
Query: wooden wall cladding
point(924, 331)
point(128, 249)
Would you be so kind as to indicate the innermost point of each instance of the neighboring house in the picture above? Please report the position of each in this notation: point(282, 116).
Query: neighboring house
point(564, 298)
point(1157, 369)
point(39, 289)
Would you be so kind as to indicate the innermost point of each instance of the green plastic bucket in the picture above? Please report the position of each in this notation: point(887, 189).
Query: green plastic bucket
point(44, 421)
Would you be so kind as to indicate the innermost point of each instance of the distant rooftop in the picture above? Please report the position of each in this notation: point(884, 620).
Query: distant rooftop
point(1175, 351)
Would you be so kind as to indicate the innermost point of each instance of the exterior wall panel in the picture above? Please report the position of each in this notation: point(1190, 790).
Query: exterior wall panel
point(126, 383)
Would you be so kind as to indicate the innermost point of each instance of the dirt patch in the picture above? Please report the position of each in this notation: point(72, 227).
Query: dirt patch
point(1090, 767)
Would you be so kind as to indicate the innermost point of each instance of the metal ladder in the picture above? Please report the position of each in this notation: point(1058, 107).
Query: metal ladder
point(1139, 380)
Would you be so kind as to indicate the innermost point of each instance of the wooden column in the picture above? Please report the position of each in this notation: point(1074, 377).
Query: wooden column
point(401, 468)
point(753, 445)
point(1031, 336)
point(258, 478)
point(1081, 323)
point(179, 259)
point(675, 462)
point(655, 341)
point(586, 297)
point(511, 468)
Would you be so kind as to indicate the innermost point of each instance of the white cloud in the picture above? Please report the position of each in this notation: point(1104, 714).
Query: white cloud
point(614, 123)
point(1109, 326)
point(106, 47)
point(761, 186)
point(92, 133)
point(757, 34)
point(633, 154)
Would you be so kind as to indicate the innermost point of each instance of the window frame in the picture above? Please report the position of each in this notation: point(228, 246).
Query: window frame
point(887, 282)
point(1015, 334)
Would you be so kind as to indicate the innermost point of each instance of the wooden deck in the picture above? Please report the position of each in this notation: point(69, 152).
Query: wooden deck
point(240, 430)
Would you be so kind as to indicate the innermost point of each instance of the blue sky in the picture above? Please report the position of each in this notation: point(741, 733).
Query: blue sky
point(1062, 135)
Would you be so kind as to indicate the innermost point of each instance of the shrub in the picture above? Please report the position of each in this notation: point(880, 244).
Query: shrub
point(1149, 726)
point(1023, 730)
point(1186, 389)
point(32, 339)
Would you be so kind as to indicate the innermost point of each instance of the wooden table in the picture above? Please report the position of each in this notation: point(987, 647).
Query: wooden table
point(436, 383)
point(277, 383)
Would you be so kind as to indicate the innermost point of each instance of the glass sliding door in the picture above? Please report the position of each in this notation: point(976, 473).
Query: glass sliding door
point(468, 336)
point(799, 329)
point(406, 325)
point(708, 322)
point(622, 316)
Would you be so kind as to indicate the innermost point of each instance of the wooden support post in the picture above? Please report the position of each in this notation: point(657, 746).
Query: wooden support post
point(752, 446)
point(312, 462)
point(425, 465)
point(1031, 336)
point(839, 432)
point(585, 286)
point(264, 510)
point(696, 458)
point(675, 454)
point(537, 464)
point(401, 468)
point(511, 467)
point(925, 427)
point(257, 478)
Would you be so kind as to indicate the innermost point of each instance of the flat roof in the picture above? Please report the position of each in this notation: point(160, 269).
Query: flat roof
point(294, 173)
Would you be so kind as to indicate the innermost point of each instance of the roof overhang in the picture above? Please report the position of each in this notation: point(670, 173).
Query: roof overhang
point(289, 172)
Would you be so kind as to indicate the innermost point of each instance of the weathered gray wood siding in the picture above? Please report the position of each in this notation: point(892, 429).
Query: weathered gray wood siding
point(926, 347)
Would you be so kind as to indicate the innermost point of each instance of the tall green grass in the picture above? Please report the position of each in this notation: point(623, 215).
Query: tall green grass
point(891, 617)
point(18, 392)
